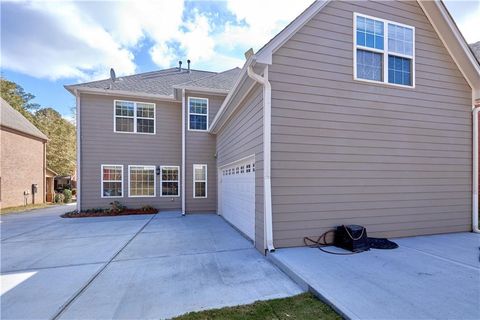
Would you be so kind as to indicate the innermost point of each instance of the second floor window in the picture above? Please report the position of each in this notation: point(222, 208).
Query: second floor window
point(197, 114)
point(134, 117)
point(385, 51)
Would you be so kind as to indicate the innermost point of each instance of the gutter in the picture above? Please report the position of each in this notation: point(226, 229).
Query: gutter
point(120, 93)
point(79, 175)
point(183, 152)
point(475, 150)
point(267, 153)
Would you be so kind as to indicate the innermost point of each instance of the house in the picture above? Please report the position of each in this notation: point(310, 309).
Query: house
point(357, 112)
point(22, 158)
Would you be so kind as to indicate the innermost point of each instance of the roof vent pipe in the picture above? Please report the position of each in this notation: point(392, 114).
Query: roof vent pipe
point(180, 65)
point(188, 64)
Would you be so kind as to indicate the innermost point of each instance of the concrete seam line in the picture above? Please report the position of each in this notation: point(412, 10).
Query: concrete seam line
point(67, 304)
point(21, 234)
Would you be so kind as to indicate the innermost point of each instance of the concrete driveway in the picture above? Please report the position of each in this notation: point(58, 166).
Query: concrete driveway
point(428, 277)
point(148, 266)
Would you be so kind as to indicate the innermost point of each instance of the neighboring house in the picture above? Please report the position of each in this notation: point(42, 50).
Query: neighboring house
point(357, 112)
point(50, 185)
point(22, 158)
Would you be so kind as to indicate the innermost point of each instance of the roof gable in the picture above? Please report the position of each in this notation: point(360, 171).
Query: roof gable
point(12, 119)
point(436, 13)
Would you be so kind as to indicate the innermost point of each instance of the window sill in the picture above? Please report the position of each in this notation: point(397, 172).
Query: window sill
point(384, 84)
point(141, 133)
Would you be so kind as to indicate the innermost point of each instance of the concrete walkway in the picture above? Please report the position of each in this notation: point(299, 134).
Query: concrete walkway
point(430, 277)
point(136, 267)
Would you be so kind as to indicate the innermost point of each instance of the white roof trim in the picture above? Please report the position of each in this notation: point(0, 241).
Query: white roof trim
point(445, 28)
point(120, 93)
point(264, 55)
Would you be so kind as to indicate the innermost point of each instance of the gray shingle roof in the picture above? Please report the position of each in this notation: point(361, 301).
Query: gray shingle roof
point(13, 119)
point(223, 80)
point(476, 50)
point(157, 82)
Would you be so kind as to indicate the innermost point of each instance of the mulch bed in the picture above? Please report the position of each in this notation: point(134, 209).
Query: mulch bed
point(125, 212)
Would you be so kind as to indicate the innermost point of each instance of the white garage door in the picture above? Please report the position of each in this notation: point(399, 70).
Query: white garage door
point(238, 196)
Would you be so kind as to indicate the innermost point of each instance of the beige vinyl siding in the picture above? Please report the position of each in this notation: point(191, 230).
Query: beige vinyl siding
point(101, 145)
point(240, 137)
point(200, 149)
point(396, 160)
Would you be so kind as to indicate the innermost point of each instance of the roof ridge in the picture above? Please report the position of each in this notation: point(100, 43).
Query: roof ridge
point(140, 74)
point(210, 76)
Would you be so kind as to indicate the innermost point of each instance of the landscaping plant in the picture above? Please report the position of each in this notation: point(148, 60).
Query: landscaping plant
point(67, 194)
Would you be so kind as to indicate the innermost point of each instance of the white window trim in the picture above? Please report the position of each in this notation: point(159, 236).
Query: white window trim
point(206, 181)
point(102, 181)
point(188, 118)
point(161, 182)
point(384, 51)
point(135, 117)
point(154, 180)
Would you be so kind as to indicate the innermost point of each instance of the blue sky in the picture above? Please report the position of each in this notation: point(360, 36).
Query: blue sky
point(46, 44)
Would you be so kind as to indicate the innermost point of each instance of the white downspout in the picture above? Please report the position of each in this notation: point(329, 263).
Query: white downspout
point(183, 152)
point(267, 155)
point(79, 173)
point(475, 171)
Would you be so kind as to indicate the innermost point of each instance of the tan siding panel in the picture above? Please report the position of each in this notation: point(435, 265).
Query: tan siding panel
point(397, 160)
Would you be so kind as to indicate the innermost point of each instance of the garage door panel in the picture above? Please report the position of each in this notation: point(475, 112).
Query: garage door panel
point(238, 196)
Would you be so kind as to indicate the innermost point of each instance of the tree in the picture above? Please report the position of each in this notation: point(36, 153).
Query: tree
point(16, 96)
point(61, 148)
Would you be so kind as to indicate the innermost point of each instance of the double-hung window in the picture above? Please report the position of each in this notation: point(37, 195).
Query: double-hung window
point(197, 114)
point(112, 181)
point(142, 181)
point(384, 51)
point(134, 117)
point(199, 180)
point(169, 181)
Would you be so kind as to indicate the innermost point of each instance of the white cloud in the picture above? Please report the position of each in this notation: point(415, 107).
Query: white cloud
point(259, 27)
point(470, 26)
point(83, 40)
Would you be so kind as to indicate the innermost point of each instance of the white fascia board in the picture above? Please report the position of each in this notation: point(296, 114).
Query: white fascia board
point(452, 39)
point(123, 93)
point(231, 94)
point(203, 90)
point(264, 55)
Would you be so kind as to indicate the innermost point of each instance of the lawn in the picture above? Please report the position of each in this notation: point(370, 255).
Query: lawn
point(304, 307)
point(25, 208)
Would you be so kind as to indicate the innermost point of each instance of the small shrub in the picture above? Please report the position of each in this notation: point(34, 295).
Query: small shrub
point(59, 198)
point(74, 192)
point(117, 207)
point(147, 208)
point(67, 194)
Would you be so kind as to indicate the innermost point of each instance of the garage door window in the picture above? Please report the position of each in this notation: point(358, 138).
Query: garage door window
point(199, 180)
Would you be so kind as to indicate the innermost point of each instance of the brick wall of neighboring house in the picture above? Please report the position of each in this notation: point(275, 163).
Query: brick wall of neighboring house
point(22, 164)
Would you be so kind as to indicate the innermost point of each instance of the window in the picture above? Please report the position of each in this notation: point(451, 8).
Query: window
point(142, 181)
point(112, 181)
point(134, 117)
point(199, 180)
point(384, 51)
point(197, 114)
point(169, 180)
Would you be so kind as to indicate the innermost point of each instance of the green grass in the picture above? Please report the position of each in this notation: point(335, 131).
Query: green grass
point(301, 307)
point(28, 207)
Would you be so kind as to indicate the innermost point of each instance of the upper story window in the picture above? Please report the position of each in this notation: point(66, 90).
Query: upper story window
point(134, 117)
point(197, 114)
point(384, 51)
